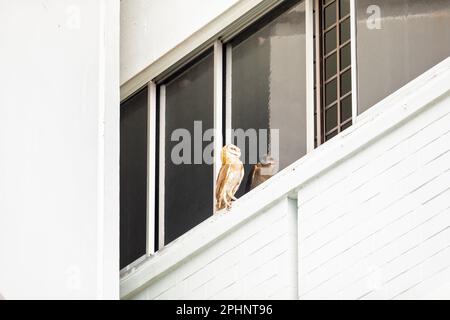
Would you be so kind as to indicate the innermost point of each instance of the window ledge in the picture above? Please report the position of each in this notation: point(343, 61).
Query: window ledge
point(389, 113)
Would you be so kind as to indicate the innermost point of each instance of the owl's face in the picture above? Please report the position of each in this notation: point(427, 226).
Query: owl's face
point(230, 152)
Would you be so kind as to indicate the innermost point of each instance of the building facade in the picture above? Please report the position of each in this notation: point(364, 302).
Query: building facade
point(113, 114)
point(353, 97)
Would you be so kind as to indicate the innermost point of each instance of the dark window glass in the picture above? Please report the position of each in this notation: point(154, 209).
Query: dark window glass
point(330, 92)
point(396, 42)
point(345, 56)
point(330, 40)
point(330, 15)
point(133, 178)
point(346, 125)
point(330, 66)
point(346, 108)
point(331, 118)
point(269, 87)
point(335, 58)
point(331, 135)
point(344, 8)
point(345, 30)
point(346, 82)
point(188, 190)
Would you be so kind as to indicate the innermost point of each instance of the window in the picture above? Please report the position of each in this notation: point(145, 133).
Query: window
point(186, 173)
point(266, 67)
point(396, 42)
point(248, 88)
point(333, 70)
point(133, 177)
point(276, 83)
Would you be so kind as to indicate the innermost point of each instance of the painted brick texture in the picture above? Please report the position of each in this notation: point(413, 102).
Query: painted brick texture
point(376, 226)
point(256, 260)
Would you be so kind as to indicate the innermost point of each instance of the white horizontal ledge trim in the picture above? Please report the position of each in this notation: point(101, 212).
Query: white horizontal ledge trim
point(388, 114)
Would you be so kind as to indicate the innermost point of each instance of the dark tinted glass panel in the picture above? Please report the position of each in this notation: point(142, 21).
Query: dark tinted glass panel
point(330, 40)
point(330, 66)
point(330, 92)
point(331, 135)
point(346, 125)
point(396, 42)
point(269, 89)
point(189, 185)
point(133, 178)
point(344, 8)
point(331, 118)
point(346, 82)
point(346, 108)
point(345, 56)
point(330, 15)
point(345, 30)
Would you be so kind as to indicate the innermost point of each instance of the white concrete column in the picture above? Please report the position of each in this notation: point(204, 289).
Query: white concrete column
point(59, 149)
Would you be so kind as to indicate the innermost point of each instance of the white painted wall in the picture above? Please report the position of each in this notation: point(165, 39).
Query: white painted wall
point(377, 225)
point(257, 259)
point(149, 29)
point(59, 98)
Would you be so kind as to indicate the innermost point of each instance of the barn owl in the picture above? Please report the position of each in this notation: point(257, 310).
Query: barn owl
point(230, 176)
point(261, 172)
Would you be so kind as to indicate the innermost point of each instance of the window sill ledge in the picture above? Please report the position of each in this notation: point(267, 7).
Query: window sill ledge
point(408, 101)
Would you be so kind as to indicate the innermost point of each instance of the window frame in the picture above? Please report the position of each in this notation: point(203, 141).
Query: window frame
point(160, 109)
point(121, 106)
point(317, 63)
point(354, 63)
point(215, 37)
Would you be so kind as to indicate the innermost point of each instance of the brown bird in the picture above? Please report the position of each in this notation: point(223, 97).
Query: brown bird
point(261, 172)
point(230, 176)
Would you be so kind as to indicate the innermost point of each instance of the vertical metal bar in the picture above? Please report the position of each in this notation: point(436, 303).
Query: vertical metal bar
point(309, 30)
point(162, 156)
point(228, 97)
point(353, 61)
point(338, 57)
point(218, 111)
point(319, 88)
point(151, 161)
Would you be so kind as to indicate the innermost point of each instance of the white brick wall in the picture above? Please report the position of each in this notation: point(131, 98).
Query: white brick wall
point(376, 226)
point(256, 260)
